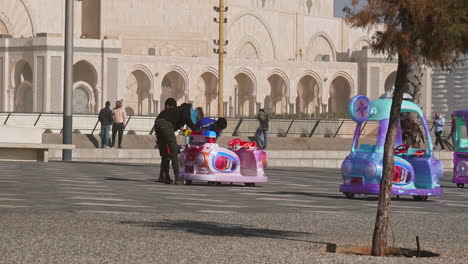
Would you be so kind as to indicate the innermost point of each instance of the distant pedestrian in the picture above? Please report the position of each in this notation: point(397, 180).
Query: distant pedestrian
point(200, 112)
point(106, 119)
point(120, 117)
point(263, 120)
point(452, 131)
point(439, 123)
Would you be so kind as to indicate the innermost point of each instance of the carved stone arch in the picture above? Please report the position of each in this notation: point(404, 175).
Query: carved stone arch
point(174, 83)
point(279, 86)
point(206, 91)
point(245, 92)
point(209, 69)
point(21, 22)
point(311, 51)
point(390, 82)
point(91, 100)
point(360, 43)
point(24, 97)
point(147, 71)
point(253, 31)
point(342, 87)
point(308, 102)
point(245, 41)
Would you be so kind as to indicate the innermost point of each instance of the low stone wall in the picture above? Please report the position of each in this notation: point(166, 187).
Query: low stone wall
point(277, 158)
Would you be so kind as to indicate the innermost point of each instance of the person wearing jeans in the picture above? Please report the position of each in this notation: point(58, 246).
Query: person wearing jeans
point(452, 131)
point(120, 117)
point(106, 119)
point(439, 123)
point(262, 118)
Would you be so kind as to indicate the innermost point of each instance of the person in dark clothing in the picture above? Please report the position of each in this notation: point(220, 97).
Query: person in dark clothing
point(106, 119)
point(164, 171)
point(452, 131)
point(263, 119)
point(167, 122)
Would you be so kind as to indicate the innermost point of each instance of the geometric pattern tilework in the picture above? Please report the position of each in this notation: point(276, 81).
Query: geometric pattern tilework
point(112, 79)
point(56, 84)
point(2, 94)
point(40, 84)
point(374, 82)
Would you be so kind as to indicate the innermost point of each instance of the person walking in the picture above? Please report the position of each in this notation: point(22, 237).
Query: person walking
point(263, 119)
point(106, 119)
point(439, 123)
point(167, 122)
point(120, 117)
point(452, 131)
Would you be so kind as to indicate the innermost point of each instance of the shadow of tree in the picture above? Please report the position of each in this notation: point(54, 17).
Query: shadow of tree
point(221, 229)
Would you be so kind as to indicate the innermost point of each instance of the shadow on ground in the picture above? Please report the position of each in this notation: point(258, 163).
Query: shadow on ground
point(218, 229)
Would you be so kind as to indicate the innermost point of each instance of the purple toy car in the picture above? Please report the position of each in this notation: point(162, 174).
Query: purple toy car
point(417, 171)
point(460, 156)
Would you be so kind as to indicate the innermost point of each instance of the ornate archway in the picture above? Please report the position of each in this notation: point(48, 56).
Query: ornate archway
point(207, 92)
point(277, 101)
point(390, 82)
point(173, 85)
point(244, 101)
point(340, 94)
point(137, 96)
point(308, 100)
point(24, 98)
point(85, 77)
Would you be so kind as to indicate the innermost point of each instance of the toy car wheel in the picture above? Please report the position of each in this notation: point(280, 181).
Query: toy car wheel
point(420, 198)
point(188, 182)
point(250, 184)
point(211, 183)
point(349, 195)
point(460, 185)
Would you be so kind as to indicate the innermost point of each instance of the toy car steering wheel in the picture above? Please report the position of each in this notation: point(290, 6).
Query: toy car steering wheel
point(401, 149)
point(420, 152)
point(234, 142)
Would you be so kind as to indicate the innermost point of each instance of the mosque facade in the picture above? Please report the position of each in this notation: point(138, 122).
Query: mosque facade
point(287, 56)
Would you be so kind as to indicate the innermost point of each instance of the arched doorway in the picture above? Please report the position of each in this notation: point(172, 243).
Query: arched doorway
point(277, 102)
point(207, 92)
point(307, 101)
point(24, 95)
point(81, 100)
point(390, 82)
point(137, 93)
point(244, 95)
point(3, 28)
point(84, 82)
point(340, 93)
point(173, 85)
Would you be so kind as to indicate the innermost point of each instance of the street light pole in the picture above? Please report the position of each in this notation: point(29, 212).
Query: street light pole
point(68, 81)
point(221, 42)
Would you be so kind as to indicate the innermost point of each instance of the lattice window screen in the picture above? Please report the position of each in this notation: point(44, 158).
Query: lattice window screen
point(56, 84)
point(374, 82)
point(112, 79)
point(1, 83)
point(40, 84)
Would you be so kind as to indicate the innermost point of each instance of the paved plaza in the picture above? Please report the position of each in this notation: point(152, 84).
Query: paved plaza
point(113, 213)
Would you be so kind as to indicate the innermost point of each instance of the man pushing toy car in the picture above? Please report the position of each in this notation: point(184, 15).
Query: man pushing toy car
point(167, 122)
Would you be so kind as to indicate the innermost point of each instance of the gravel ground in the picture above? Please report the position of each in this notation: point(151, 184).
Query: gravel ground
point(62, 237)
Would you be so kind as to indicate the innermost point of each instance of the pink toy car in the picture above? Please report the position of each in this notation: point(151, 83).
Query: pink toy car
point(204, 160)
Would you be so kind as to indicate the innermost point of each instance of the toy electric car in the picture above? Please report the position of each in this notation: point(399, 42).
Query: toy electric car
point(460, 156)
point(417, 171)
point(204, 160)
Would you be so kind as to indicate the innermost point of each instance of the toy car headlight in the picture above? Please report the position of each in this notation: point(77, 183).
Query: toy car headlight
point(201, 160)
point(462, 168)
point(370, 170)
point(346, 167)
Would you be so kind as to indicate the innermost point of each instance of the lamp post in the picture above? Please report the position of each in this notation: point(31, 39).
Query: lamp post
point(68, 81)
point(221, 43)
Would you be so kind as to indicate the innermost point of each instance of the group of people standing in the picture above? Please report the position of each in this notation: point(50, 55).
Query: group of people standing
point(112, 119)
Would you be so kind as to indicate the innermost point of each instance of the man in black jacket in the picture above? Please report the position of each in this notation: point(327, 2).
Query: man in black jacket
point(167, 122)
point(106, 119)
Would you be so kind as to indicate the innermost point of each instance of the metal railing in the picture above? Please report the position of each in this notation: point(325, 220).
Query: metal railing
point(143, 125)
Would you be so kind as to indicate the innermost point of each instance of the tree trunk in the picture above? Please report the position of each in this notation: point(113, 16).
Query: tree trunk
point(379, 241)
